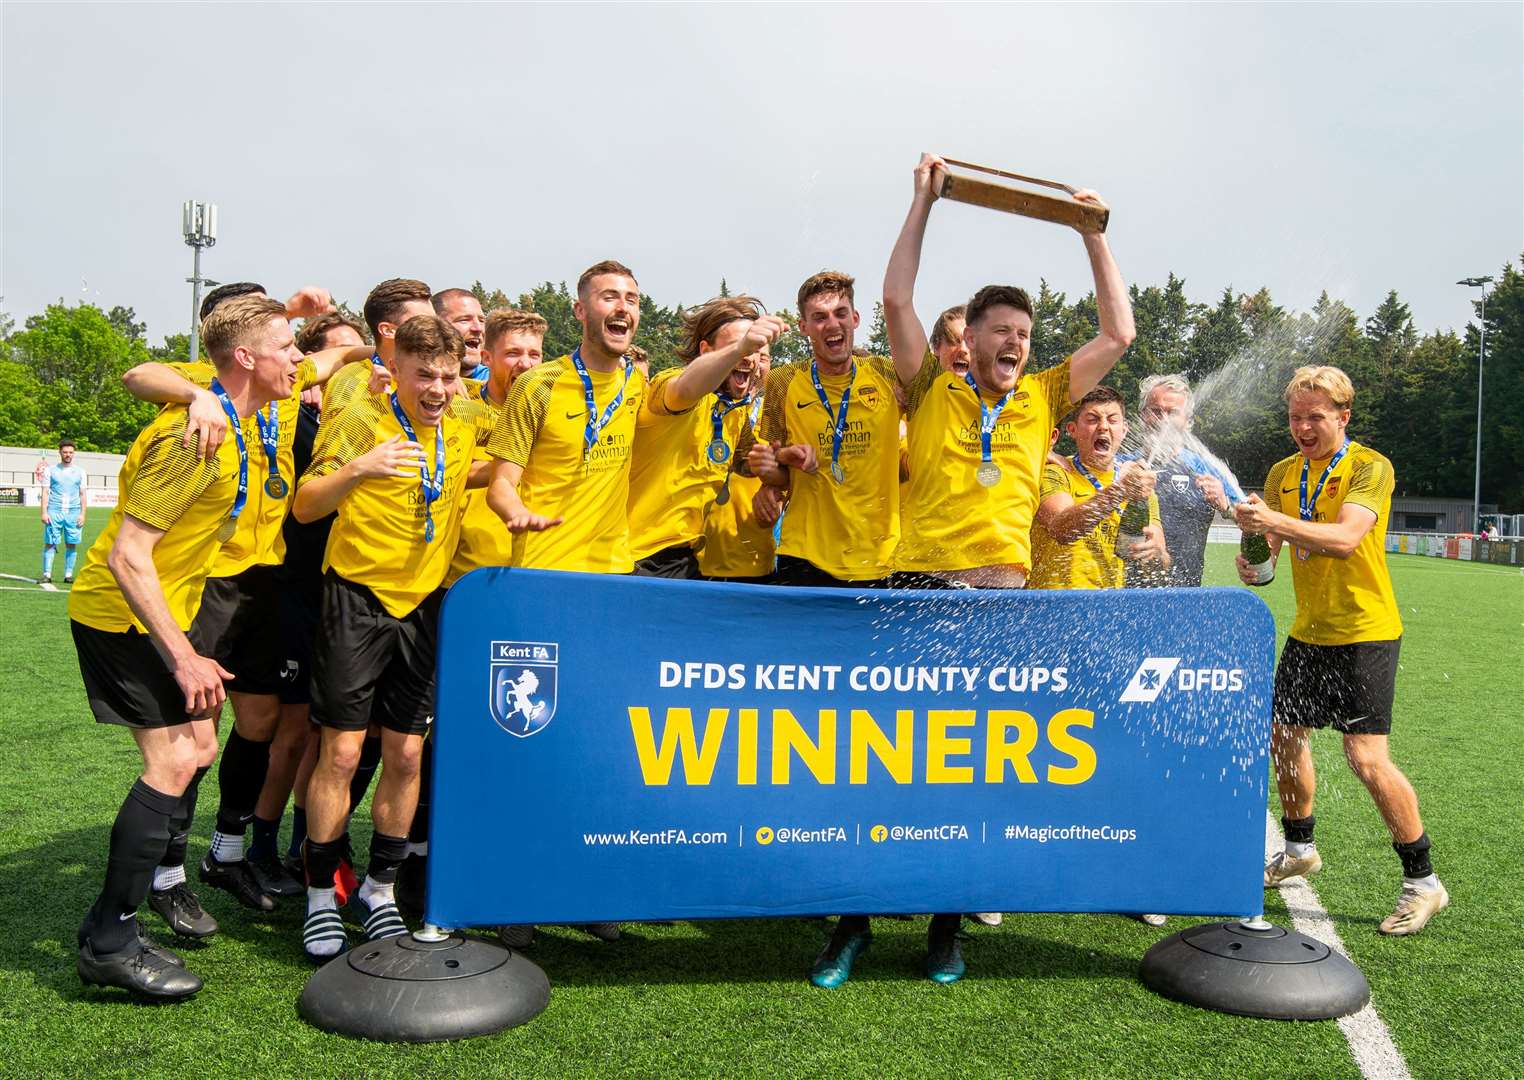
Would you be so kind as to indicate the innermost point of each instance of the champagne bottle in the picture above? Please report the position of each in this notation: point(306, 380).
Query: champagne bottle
point(1134, 521)
point(1256, 552)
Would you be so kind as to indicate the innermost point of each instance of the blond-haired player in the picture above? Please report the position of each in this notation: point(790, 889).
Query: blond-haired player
point(1330, 502)
point(130, 612)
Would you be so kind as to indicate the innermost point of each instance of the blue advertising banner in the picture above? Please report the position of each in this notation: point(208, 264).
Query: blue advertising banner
point(621, 748)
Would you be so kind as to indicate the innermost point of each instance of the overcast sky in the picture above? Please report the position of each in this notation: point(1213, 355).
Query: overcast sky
point(1354, 148)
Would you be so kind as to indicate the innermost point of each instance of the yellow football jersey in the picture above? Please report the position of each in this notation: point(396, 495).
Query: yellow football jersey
point(1340, 601)
point(1091, 562)
point(259, 540)
point(348, 383)
point(168, 487)
point(484, 539)
point(952, 522)
point(377, 539)
point(736, 544)
point(542, 429)
point(848, 528)
point(673, 475)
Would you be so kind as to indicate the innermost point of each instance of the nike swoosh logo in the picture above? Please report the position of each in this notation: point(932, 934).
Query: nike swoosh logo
point(575, 415)
point(803, 404)
point(128, 915)
point(1287, 491)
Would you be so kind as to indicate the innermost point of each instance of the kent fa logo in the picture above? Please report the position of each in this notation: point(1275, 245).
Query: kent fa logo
point(523, 685)
point(1150, 679)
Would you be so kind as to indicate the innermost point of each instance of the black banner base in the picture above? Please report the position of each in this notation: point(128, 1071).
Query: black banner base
point(424, 988)
point(1255, 969)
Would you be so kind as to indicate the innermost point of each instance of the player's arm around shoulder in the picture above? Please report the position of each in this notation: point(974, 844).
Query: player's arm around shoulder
point(183, 384)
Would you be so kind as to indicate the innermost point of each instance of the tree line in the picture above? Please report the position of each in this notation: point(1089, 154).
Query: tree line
point(60, 374)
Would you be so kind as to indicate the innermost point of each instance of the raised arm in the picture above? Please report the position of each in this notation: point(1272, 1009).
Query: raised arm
point(706, 372)
point(1094, 359)
point(907, 337)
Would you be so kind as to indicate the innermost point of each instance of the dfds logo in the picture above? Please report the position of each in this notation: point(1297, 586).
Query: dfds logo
point(523, 685)
point(1153, 675)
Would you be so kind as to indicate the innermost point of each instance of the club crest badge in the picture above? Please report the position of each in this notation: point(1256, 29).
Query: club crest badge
point(523, 685)
point(1180, 482)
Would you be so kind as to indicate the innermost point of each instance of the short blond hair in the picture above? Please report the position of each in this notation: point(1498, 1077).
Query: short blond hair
point(501, 321)
point(236, 322)
point(1325, 380)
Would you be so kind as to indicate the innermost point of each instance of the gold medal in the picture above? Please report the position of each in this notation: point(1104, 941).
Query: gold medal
point(226, 530)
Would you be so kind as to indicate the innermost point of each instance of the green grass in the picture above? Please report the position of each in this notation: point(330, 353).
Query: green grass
point(1046, 995)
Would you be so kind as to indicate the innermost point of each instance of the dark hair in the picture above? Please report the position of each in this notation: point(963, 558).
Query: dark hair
point(444, 296)
point(386, 301)
point(702, 323)
point(939, 333)
point(827, 281)
point(1101, 395)
point(227, 292)
point(428, 336)
point(315, 331)
point(607, 266)
point(997, 296)
point(65, 442)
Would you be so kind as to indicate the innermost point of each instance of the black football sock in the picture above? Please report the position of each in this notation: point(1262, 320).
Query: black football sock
point(139, 837)
point(241, 776)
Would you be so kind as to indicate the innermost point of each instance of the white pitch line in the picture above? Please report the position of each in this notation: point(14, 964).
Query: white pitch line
point(35, 589)
point(1370, 1042)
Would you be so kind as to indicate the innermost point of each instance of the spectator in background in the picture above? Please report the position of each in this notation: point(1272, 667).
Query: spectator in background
point(63, 511)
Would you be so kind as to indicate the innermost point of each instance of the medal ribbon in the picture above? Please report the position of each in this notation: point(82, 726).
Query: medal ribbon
point(1086, 473)
point(1305, 505)
point(243, 453)
point(431, 485)
point(839, 418)
point(269, 435)
point(595, 423)
point(988, 417)
point(724, 404)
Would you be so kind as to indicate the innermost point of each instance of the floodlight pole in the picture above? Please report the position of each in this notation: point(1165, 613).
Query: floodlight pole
point(1476, 491)
point(198, 224)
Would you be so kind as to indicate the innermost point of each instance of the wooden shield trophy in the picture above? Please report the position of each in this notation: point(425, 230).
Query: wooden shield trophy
point(1032, 204)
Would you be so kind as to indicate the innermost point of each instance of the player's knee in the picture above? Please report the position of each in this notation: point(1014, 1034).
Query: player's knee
point(342, 755)
point(404, 759)
point(1368, 760)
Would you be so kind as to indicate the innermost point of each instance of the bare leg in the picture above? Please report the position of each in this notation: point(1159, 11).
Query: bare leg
point(1295, 780)
point(1394, 795)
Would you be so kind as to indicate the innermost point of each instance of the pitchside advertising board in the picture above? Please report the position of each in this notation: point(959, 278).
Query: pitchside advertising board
point(620, 748)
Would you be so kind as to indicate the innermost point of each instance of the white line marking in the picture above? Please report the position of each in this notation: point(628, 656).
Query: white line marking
point(35, 590)
point(1369, 1040)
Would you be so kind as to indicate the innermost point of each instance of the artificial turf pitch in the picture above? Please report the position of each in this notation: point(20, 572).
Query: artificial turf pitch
point(1048, 995)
